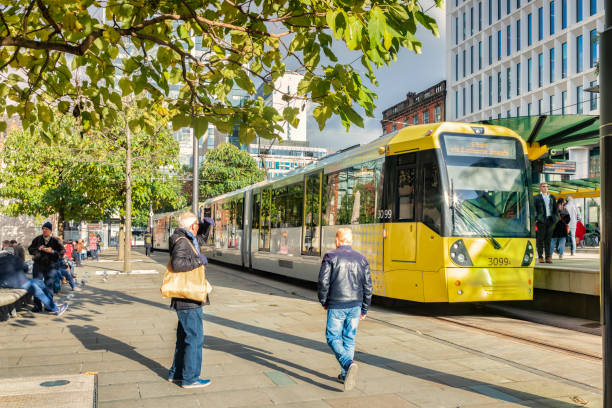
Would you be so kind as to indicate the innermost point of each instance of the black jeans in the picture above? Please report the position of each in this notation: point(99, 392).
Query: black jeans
point(543, 238)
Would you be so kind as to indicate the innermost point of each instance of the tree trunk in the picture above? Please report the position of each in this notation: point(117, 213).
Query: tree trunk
point(128, 199)
point(121, 243)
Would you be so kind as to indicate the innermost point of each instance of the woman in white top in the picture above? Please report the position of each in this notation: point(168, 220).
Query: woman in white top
point(574, 214)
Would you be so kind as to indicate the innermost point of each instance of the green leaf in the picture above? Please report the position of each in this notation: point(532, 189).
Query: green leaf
point(376, 25)
point(200, 126)
point(63, 106)
point(116, 100)
point(126, 86)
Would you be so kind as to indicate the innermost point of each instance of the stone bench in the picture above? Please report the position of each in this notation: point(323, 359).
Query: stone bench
point(10, 299)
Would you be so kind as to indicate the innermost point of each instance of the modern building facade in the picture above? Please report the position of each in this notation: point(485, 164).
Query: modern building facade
point(279, 159)
point(428, 106)
point(508, 58)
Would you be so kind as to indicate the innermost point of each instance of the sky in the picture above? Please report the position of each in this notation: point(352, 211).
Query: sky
point(410, 73)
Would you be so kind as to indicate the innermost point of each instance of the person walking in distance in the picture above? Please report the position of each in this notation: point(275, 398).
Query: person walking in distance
point(574, 213)
point(184, 257)
point(93, 246)
point(546, 216)
point(345, 291)
point(46, 252)
point(148, 242)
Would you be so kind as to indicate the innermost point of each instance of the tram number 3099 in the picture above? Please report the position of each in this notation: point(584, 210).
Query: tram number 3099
point(495, 261)
point(384, 214)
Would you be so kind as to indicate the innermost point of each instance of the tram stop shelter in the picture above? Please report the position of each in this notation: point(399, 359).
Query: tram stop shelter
point(546, 132)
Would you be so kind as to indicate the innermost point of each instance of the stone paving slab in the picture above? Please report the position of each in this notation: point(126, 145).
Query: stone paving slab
point(60, 390)
point(265, 347)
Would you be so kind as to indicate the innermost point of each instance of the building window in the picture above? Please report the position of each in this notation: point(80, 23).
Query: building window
point(464, 23)
point(540, 24)
point(490, 90)
point(564, 60)
point(508, 83)
point(508, 40)
point(508, 114)
point(508, 7)
point(563, 14)
point(471, 98)
point(479, 54)
point(593, 7)
point(471, 59)
point(551, 55)
point(593, 48)
point(551, 103)
point(579, 100)
point(499, 87)
point(579, 53)
point(479, 95)
point(563, 101)
point(490, 49)
point(540, 70)
point(499, 45)
point(463, 101)
point(490, 12)
point(437, 114)
point(456, 104)
point(518, 79)
point(518, 35)
point(529, 30)
point(456, 67)
point(518, 4)
point(552, 17)
point(529, 74)
point(529, 109)
point(578, 10)
point(426, 116)
point(480, 16)
point(518, 111)
point(539, 107)
point(464, 72)
point(394, 127)
point(499, 115)
point(592, 97)
point(499, 9)
point(456, 30)
point(415, 119)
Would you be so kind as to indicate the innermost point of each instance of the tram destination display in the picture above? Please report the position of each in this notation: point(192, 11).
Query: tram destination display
point(479, 146)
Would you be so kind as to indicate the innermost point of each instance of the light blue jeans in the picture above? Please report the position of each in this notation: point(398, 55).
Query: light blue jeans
point(40, 292)
point(340, 334)
point(559, 244)
point(573, 238)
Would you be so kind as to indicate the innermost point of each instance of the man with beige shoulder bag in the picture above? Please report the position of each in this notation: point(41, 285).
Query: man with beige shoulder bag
point(185, 282)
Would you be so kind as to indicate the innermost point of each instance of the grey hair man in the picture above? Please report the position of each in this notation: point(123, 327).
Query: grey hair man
point(345, 291)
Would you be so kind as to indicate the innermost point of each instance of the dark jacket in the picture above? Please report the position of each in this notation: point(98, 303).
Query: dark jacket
point(20, 252)
point(344, 280)
point(43, 261)
point(12, 271)
point(540, 209)
point(560, 229)
point(183, 259)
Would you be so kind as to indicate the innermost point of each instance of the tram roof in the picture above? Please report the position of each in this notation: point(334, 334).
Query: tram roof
point(554, 131)
point(579, 188)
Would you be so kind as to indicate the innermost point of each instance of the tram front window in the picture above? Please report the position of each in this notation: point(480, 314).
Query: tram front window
point(488, 186)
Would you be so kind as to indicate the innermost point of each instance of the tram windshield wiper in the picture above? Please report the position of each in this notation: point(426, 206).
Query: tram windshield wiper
point(472, 221)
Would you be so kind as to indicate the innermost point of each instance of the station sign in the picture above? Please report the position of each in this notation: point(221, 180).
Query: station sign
point(559, 167)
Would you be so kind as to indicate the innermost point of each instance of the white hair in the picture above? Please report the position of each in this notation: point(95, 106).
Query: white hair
point(187, 219)
point(344, 236)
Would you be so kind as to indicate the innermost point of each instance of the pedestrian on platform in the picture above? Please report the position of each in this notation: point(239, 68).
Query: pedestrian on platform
point(574, 213)
point(184, 257)
point(345, 291)
point(546, 216)
point(12, 276)
point(560, 230)
point(93, 246)
point(78, 250)
point(5, 244)
point(46, 252)
point(19, 250)
point(148, 242)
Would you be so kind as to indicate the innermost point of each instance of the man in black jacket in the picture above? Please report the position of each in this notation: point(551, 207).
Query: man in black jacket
point(185, 256)
point(546, 216)
point(345, 291)
point(46, 252)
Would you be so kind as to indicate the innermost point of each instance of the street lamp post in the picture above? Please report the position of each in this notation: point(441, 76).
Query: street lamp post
point(605, 134)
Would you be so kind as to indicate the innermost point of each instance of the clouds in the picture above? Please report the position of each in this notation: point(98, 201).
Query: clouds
point(410, 73)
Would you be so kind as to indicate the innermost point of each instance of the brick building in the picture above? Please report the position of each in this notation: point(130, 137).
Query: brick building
point(427, 106)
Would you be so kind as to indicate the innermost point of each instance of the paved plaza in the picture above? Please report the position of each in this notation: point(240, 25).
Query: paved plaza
point(265, 346)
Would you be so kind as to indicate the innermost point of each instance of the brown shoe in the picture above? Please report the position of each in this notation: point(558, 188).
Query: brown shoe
point(541, 260)
point(560, 256)
point(548, 260)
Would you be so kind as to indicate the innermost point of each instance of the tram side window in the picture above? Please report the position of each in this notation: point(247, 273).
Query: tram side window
point(406, 182)
point(335, 193)
point(256, 207)
point(432, 195)
point(312, 219)
point(264, 221)
point(287, 206)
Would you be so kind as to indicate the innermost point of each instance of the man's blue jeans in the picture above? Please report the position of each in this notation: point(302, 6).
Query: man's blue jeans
point(187, 363)
point(40, 292)
point(340, 333)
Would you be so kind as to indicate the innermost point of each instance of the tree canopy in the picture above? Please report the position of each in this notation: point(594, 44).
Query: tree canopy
point(83, 56)
point(83, 178)
point(227, 168)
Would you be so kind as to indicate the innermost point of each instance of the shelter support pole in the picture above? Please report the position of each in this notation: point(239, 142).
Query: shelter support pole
point(605, 133)
point(196, 168)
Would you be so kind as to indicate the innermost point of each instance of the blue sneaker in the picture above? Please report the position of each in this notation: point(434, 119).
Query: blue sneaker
point(198, 383)
point(61, 309)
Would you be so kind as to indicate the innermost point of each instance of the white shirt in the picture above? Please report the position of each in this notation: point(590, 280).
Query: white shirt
point(574, 214)
point(546, 198)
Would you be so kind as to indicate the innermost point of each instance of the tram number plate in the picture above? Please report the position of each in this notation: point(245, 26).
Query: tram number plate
point(384, 214)
point(498, 261)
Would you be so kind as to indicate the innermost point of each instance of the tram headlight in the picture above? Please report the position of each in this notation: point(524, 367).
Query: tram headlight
point(459, 255)
point(528, 257)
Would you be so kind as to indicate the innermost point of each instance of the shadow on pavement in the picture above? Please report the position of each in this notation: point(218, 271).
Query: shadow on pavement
point(452, 380)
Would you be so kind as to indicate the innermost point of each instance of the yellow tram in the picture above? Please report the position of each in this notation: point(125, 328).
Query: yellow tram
point(441, 211)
